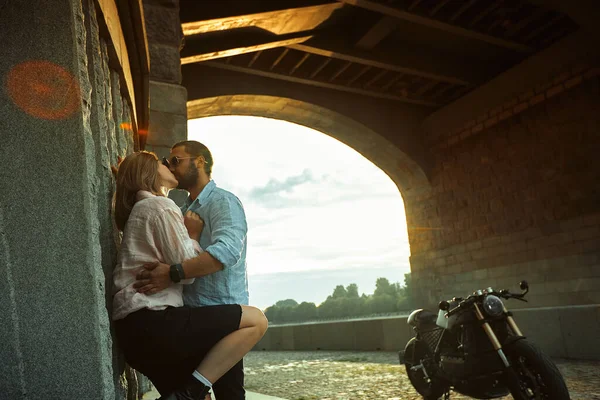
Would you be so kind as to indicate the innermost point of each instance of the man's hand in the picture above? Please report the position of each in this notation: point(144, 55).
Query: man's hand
point(153, 278)
point(194, 224)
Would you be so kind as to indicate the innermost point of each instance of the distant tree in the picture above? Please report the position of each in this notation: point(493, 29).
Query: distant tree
point(306, 311)
point(352, 290)
point(383, 303)
point(287, 303)
point(273, 314)
point(339, 292)
point(383, 286)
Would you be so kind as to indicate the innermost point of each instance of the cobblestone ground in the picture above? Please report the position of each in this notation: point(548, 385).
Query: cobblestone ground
point(368, 375)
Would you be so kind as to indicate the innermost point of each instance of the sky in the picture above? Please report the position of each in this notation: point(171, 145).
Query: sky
point(319, 213)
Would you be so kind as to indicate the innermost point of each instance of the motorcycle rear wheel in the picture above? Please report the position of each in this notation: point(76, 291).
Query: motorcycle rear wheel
point(429, 388)
point(538, 376)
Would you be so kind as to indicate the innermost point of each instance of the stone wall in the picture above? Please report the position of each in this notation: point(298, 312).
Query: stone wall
point(168, 112)
point(563, 332)
point(57, 242)
point(516, 195)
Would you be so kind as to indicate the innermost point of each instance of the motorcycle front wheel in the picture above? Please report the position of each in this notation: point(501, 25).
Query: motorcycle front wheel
point(538, 376)
point(427, 386)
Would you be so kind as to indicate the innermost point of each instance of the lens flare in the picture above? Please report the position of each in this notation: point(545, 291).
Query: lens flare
point(43, 90)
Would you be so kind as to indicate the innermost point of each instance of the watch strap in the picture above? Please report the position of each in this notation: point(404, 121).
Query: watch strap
point(176, 273)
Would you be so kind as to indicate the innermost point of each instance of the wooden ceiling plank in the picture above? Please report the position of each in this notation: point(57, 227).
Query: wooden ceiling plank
point(361, 73)
point(321, 84)
point(277, 22)
point(392, 82)
point(241, 50)
point(377, 33)
point(299, 63)
point(414, 4)
point(493, 6)
point(340, 71)
point(376, 77)
point(435, 24)
point(462, 10)
point(254, 58)
point(279, 58)
point(320, 68)
point(376, 63)
point(438, 7)
point(533, 34)
point(522, 24)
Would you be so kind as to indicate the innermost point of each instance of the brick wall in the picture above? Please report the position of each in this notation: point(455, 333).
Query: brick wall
point(516, 195)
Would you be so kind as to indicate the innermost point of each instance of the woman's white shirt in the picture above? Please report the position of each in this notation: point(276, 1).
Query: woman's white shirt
point(154, 232)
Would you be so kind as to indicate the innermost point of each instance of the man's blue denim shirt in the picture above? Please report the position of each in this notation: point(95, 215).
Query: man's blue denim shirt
point(224, 237)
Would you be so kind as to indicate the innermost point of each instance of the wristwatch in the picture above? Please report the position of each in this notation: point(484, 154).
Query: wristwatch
point(176, 273)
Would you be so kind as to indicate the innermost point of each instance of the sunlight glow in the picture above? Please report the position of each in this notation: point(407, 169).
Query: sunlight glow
point(312, 202)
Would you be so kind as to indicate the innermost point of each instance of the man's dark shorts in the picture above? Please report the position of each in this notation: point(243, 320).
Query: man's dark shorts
point(168, 345)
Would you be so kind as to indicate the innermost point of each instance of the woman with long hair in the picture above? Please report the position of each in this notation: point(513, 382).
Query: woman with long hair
point(182, 350)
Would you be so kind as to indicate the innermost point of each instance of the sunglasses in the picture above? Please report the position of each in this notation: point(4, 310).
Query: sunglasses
point(173, 161)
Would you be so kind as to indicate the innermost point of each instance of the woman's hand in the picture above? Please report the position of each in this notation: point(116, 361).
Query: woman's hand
point(194, 224)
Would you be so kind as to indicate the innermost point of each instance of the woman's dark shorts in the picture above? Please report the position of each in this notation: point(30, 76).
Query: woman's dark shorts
point(168, 345)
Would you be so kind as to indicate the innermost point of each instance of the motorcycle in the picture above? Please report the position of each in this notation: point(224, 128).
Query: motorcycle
point(474, 347)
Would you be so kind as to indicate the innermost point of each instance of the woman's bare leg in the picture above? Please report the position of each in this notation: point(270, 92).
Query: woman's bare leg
point(233, 347)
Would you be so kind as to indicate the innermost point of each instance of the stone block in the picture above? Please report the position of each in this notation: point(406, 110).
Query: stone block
point(55, 336)
point(542, 327)
point(163, 25)
point(396, 333)
point(581, 330)
point(368, 334)
point(333, 336)
point(166, 129)
point(165, 63)
point(287, 338)
point(168, 98)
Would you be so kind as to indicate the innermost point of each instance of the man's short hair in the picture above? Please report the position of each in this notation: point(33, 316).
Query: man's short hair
point(197, 149)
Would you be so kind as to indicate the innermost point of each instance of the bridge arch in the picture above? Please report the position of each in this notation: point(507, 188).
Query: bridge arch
point(408, 176)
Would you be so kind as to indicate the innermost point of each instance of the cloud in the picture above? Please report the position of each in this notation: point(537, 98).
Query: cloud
point(275, 186)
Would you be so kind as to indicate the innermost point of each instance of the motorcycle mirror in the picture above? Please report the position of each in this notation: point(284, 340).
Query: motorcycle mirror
point(444, 305)
point(524, 285)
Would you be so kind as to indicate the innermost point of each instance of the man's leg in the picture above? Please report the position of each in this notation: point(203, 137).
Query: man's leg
point(231, 385)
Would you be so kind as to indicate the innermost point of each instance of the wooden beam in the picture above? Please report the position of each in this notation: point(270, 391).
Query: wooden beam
point(340, 71)
point(376, 77)
point(254, 58)
point(212, 55)
point(414, 4)
point(461, 10)
point(131, 15)
point(377, 33)
point(441, 4)
point(364, 60)
point(278, 22)
point(279, 58)
point(485, 12)
point(325, 85)
point(434, 24)
point(361, 73)
point(299, 63)
point(320, 68)
point(110, 15)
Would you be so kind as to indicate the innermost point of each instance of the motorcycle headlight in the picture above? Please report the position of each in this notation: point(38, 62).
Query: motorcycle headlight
point(493, 306)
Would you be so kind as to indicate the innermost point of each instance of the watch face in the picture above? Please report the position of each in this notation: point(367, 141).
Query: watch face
point(174, 274)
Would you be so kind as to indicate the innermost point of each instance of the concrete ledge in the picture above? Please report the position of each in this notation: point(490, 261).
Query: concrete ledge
point(563, 332)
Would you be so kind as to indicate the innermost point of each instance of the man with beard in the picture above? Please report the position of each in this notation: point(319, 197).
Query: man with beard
point(220, 271)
